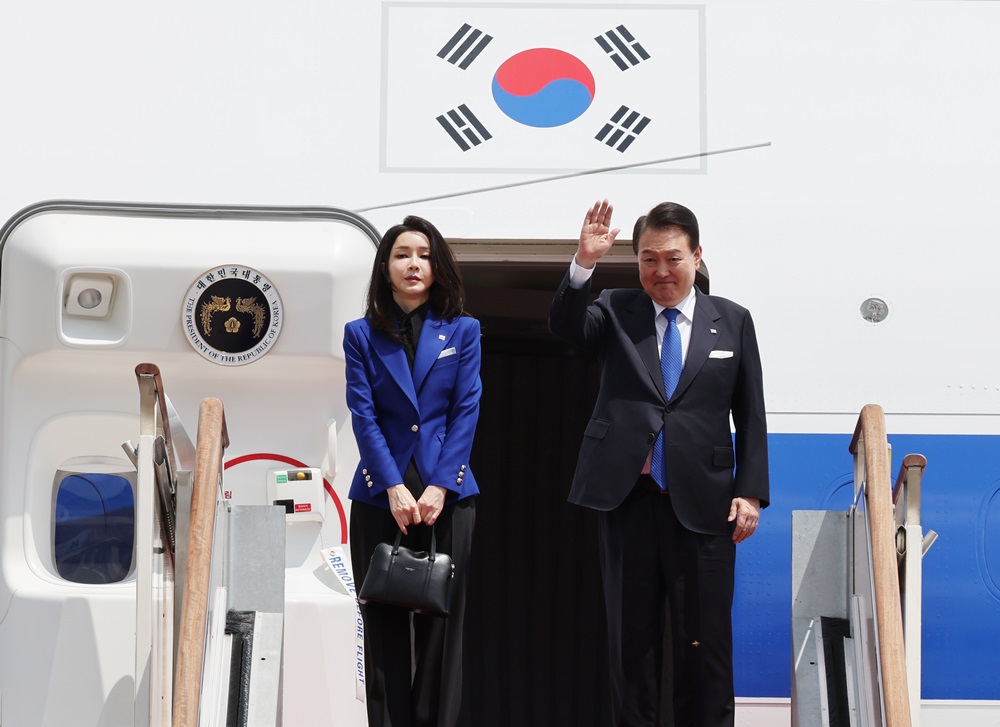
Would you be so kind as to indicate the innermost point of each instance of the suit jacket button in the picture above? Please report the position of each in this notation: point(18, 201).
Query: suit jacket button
point(369, 484)
point(414, 428)
point(463, 468)
point(364, 472)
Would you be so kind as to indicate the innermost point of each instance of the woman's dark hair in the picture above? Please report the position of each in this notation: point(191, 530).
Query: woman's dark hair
point(663, 215)
point(447, 294)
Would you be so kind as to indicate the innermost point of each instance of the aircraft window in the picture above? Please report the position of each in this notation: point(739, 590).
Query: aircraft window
point(94, 527)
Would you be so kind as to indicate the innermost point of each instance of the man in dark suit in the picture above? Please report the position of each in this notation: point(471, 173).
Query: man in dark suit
point(658, 462)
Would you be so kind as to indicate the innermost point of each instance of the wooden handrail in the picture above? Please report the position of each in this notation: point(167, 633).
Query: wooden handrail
point(213, 438)
point(870, 433)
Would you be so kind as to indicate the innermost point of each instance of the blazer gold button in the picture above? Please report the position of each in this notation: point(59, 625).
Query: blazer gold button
point(414, 428)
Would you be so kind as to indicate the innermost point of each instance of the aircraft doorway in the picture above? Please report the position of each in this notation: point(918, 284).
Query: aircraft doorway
point(535, 637)
point(536, 647)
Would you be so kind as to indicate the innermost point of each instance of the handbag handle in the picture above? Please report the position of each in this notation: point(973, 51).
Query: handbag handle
point(433, 551)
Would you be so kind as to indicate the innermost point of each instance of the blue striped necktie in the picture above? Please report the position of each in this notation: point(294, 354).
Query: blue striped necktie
point(671, 364)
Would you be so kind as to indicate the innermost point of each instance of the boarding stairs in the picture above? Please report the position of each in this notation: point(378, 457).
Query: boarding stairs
point(210, 578)
point(856, 595)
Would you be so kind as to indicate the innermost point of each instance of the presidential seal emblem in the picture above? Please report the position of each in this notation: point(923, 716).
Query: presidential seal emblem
point(232, 315)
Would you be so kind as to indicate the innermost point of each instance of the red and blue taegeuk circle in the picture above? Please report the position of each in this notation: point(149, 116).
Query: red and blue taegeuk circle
point(543, 87)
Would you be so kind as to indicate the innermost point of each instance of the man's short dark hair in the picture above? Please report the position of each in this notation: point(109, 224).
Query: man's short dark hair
point(663, 215)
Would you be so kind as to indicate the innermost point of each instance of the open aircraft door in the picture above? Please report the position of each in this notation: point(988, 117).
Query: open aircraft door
point(243, 304)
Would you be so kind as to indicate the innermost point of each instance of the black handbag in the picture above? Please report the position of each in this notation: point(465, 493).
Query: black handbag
point(417, 580)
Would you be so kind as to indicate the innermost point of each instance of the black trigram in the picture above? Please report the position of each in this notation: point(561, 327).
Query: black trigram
point(624, 50)
point(465, 46)
point(623, 128)
point(464, 128)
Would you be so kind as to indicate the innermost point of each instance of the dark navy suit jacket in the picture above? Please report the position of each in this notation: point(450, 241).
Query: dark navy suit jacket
point(721, 377)
point(428, 414)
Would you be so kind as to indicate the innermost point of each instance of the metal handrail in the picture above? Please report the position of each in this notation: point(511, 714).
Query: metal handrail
point(911, 544)
point(154, 420)
point(154, 551)
point(911, 463)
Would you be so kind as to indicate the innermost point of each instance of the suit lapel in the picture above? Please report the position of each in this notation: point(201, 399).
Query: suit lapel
point(704, 336)
point(640, 326)
point(394, 358)
point(434, 336)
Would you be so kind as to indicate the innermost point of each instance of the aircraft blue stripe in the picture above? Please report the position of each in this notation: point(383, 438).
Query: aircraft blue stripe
point(961, 604)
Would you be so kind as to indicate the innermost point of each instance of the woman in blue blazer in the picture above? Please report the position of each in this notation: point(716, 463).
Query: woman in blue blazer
point(413, 390)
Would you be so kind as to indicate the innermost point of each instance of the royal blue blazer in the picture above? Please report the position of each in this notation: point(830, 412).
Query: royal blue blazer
point(428, 415)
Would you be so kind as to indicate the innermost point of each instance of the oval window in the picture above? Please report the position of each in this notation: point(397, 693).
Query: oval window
point(989, 542)
point(94, 527)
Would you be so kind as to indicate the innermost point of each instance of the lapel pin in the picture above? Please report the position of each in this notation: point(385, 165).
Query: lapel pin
point(441, 337)
point(713, 330)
